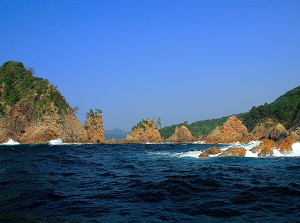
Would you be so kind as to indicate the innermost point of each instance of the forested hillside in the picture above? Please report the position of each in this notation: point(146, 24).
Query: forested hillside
point(285, 109)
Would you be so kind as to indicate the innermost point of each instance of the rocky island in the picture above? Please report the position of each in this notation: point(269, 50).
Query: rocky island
point(145, 131)
point(34, 111)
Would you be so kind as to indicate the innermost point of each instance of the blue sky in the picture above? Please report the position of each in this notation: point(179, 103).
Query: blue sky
point(177, 60)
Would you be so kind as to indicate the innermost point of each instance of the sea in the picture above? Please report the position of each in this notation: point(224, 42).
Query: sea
point(57, 182)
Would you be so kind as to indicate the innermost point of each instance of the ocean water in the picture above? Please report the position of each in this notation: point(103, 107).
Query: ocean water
point(144, 183)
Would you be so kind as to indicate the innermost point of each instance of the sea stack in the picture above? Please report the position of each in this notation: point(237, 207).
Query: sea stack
point(145, 131)
point(181, 134)
point(94, 126)
point(231, 131)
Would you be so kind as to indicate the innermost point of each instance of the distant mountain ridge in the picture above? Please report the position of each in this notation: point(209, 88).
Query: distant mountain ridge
point(116, 134)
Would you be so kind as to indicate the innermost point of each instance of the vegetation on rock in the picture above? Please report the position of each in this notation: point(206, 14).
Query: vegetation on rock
point(285, 110)
point(32, 110)
point(17, 84)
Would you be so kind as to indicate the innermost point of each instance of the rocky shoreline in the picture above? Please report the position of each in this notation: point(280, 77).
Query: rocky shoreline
point(34, 111)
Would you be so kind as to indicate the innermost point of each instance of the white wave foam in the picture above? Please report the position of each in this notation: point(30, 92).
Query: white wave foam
point(194, 154)
point(296, 149)
point(276, 151)
point(56, 142)
point(11, 142)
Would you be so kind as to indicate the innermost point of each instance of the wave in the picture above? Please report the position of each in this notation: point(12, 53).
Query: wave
point(276, 151)
point(55, 142)
point(11, 142)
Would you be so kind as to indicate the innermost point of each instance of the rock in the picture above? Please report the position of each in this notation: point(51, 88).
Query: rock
point(276, 133)
point(34, 111)
point(203, 154)
point(233, 152)
point(296, 133)
point(261, 128)
point(213, 150)
point(265, 148)
point(94, 128)
point(286, 144)
point(231, 131)
point(110, 141)
point(144, 131)
point(64, 126)
point(181, 134)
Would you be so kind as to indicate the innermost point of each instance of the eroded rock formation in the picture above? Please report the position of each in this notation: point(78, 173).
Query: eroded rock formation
point(231, 131)
point(233, 152)
point(181, 134)
point(276, 133)
point(145, 131)
point(94, 128)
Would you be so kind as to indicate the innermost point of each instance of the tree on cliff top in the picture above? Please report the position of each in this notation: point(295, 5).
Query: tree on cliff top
point(92, 113)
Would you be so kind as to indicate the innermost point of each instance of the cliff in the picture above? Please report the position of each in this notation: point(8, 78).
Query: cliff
point(32, 110)
point(231, 131)
point(181, 134)
point(145, 131)
point(94, 127)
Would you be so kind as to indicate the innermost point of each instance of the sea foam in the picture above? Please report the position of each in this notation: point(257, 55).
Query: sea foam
point(11, 142)
point(56, 142)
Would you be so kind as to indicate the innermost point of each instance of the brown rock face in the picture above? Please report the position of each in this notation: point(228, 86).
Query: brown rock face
point(144, 131)
point(276, 133)
point(34, 111)
point(181, 134)
point(210, 151)
point(95, 128)
point(265, 147)
point(21, 127)
point(204, 155)
point(233, 152)
point(296, 133)
point(232, 130)
point(213, 150)
point(261, 128)
point(286, 144)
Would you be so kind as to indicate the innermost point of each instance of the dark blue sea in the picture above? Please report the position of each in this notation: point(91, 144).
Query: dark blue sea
point(144, 183)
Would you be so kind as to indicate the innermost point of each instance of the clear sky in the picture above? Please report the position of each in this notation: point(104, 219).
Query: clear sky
point(178, 60)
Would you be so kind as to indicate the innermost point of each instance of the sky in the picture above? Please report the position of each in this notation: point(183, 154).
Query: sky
point(174, 60)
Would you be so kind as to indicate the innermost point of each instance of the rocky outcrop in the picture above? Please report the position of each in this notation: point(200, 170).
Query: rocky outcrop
point(94, 128)
point(231, 131)
point(261, 128)
point(214, 150)
point(181, 134)
point(233, 152)
point(145, 131)
point(34, 111)
point(276, 133)
point(203, 155)
point(296, 133)
point(21, 127)
point(285, 145)
point(265, 148)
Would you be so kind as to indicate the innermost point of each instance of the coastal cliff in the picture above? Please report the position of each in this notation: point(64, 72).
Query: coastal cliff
point(145, 131)
point(32, 110)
